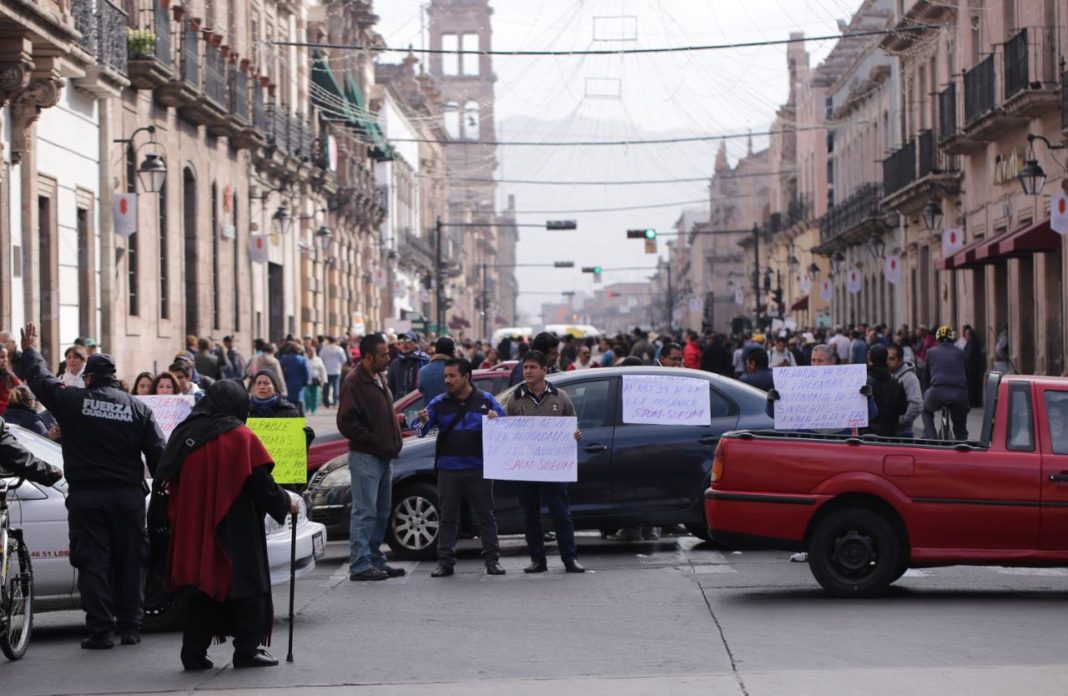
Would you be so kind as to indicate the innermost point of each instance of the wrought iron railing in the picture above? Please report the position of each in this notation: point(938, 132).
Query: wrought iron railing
point(899, 169)
point(947, 112)
point(295, 133)
point(161, 27)
point(928, 153)
point(190, 57)
point(260, 118)
point(85, 22)
point(1016, 67)
point(215, 76)
point(279, 126)
point(238, 93)
point(859, 207)
point(103, 28)
point(979, 90)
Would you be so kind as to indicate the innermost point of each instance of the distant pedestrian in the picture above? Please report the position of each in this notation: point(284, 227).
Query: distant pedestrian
point(432, 375)
point(691, 353)
point(404, 370)
point(334, 359)
point(267, 361)
point(757, 373)
point(537, 397)
point(365, 417)
point(205, 361)
point(549, 345)
point(218, 476)
point(889, 395)
point(858, 349)
point(671, 356)
point(295, 373)
point(142, 384)
point(317, 372)
point(457, 414)
point(904, 371)
point(109, 437)
point(74, 364)
point(235, 362)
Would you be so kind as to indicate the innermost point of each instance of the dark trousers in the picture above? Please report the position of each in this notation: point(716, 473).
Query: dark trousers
point(554, 495)
point(109, 547)
point(957, 400)
point(453, 487)
point(330, 395)
point(244, 619)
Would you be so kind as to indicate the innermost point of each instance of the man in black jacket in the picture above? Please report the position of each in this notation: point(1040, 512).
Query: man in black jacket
point(890, 397)
point(105, 433)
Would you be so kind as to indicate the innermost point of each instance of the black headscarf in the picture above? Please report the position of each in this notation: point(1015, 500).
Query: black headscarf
point(222, 408)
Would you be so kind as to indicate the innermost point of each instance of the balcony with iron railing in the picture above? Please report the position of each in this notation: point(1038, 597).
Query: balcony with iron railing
point(1064, 101)
point(899, 169)
point(910, 173)
point(1030, 72)
point(102, 24)
point(215, 77)
point(979, 91)
point(854, 219)
point(239, 94)
point(151, 45)
point(190, 57)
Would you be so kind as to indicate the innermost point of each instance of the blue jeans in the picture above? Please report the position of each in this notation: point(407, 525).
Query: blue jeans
point(372, 498)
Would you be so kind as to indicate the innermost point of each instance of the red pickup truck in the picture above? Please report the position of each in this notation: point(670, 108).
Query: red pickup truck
point(868, 508)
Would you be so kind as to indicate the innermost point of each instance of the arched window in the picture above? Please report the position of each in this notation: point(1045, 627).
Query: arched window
point(472, 120)
point(452, 120)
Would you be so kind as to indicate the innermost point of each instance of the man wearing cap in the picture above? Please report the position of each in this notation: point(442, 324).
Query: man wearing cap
point(404, 370)
point(105, 432)
point(432, 375)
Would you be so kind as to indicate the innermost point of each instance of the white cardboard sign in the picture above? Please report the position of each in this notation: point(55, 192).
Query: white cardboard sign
point(169, 410)
point(821, 397)
point(530, 448)
point(666, 400)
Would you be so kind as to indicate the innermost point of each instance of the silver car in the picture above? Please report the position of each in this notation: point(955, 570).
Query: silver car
point(41, 512)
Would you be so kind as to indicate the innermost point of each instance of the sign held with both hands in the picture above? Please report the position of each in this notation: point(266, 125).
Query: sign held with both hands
point(530, 448)
point(821, 397)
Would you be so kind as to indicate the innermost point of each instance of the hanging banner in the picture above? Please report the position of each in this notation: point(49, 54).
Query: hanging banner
point(739, 297)
point(826, 289)
point(952, 241)
point(893, 269)
point(853, 281)
point(805, 282)
point(124, 206)
point(380, 278)
point(257, 248)
point(1058, 212)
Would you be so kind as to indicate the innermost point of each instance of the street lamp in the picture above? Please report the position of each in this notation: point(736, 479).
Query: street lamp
point(836, 262)
point(876, 246)
point(813, 271)
point(793, 262)
point(324, 235)
point(1032, 177)
point(281, 220)
point(932, 215)
point(153, 170)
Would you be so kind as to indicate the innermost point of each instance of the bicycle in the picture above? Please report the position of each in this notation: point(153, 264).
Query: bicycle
point(16, 582)
point(945, 428)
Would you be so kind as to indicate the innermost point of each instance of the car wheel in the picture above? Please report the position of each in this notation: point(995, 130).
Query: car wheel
point(698, 530)
point(414, 522)
point(855, 552)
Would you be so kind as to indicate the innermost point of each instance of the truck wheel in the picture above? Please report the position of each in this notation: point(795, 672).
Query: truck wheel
point(414, 522)
point(854, 552)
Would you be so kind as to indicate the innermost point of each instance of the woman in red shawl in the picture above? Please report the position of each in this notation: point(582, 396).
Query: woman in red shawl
point(218, 476)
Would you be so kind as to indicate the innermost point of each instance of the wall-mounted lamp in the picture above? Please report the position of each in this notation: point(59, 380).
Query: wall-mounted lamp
point(1032, 177)
point(153, 170)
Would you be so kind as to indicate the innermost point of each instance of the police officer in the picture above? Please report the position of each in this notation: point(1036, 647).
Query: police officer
point(105, 432)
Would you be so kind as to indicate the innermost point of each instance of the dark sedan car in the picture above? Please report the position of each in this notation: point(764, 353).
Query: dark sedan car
point(629, 475)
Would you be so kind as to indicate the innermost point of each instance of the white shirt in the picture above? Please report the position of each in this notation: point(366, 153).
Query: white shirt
point(841, 344)
point(72, 380)
point(316, 369)
point(333, 358)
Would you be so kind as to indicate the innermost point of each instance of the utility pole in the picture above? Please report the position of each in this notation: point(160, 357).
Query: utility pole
point(670, 300)
point(439, 277)
point(756, 274)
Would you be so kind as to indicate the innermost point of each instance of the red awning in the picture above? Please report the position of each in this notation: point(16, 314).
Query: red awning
point(1029, 240)
point(965, 255)
point(801, 305)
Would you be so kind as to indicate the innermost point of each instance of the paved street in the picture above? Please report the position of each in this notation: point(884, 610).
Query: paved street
point(670, 616)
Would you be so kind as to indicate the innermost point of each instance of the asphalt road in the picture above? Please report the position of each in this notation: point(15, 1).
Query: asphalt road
point(672, 616)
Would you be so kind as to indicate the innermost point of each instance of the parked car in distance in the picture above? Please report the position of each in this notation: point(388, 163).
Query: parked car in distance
point(628, 474)
point(866, 509)
point(41, 512)
point(407, 408)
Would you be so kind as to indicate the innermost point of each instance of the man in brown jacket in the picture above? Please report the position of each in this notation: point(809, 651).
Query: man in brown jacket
point(365, 416)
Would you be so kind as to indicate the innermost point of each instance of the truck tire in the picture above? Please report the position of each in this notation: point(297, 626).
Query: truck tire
point(855, 552)
point(414, 522)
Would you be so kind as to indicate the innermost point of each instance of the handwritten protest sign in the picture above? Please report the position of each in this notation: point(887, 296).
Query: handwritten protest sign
point(663, 400)
point(822, 397)
point(169, 411)
point(285, 441)
point(530, 448)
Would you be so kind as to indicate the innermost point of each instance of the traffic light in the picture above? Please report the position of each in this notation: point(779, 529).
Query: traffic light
point(561, 225)
point(650, 242)
point(563, 264)
point(595, 270)
point(641, 234)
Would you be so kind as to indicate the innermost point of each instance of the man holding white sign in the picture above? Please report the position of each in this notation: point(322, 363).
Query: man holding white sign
point(536, 397)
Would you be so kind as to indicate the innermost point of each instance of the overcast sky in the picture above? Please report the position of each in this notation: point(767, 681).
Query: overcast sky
point(615, 97)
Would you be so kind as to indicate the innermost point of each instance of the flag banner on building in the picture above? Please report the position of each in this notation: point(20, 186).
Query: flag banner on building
point(257, 248)
point(853, 281)
point(805, 282)
point(1058, 212)
point(826, 289)
point(739, 297)
point(124, 206)
point(893, 269)
point(380, 278)
point(952, 241)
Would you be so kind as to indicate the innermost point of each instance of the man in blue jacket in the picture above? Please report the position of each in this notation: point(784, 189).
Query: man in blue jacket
point(432, 375)
point(457, 414)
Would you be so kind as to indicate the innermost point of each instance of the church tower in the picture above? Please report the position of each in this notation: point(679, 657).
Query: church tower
point(466, 82)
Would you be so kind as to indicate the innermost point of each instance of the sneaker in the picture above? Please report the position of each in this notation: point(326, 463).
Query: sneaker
point(369, 574)
point(799, 558)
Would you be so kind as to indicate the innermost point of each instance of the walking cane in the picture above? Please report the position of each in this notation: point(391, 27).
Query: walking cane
point(292, 581)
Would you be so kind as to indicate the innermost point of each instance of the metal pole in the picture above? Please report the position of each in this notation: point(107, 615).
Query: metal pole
point(671, 300)
point(485, 301)
point(292, 579)
point(756, 274)
point(439, 291)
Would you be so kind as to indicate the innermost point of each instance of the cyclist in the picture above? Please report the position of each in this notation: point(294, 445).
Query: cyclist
point(948, 385)
point(16, 459)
